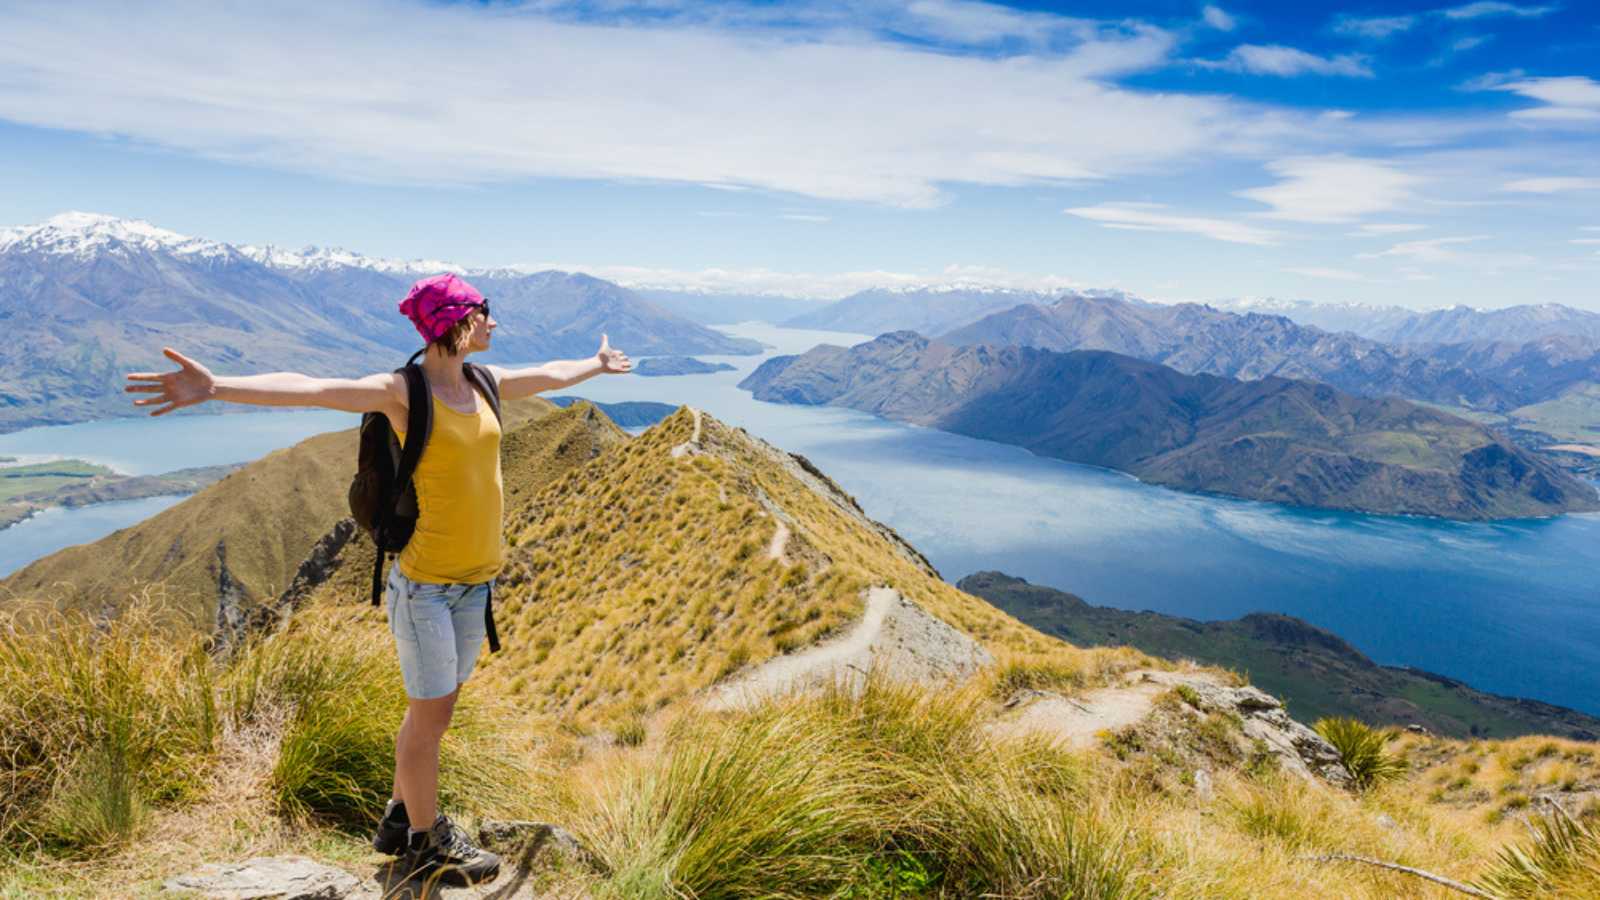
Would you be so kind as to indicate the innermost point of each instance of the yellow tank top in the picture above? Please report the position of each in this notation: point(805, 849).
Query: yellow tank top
point(457, 540)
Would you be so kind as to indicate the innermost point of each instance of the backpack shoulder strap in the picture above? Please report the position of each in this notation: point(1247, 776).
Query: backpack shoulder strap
point(484, 380)
point(419, 426)
point(419, 421)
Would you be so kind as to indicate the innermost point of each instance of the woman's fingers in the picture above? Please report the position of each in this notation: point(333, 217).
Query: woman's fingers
point(179, 358)
point(146, 376)
point(144, 388)
point(163, 410)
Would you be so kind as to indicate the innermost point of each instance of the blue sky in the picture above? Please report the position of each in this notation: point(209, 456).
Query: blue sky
point(1420, 154)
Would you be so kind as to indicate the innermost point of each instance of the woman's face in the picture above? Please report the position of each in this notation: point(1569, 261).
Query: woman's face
point(483, 326)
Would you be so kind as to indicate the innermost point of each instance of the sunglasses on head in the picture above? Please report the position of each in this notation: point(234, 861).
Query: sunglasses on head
point(483, 306)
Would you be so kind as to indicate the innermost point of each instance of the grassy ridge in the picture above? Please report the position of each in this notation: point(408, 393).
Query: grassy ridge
point(620, 601)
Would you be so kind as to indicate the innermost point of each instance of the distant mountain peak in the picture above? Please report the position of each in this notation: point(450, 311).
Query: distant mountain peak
point(316, 258)
point(83, 234)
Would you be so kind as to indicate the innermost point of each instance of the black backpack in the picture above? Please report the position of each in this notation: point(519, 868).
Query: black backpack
point(383, 501)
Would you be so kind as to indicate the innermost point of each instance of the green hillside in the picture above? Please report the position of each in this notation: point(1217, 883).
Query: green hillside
point(1313, 670)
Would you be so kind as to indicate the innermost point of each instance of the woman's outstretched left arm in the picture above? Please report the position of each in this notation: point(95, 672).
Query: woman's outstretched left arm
point(561, 373)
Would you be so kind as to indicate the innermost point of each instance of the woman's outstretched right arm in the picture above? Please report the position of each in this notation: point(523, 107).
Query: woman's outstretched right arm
point(193, 383)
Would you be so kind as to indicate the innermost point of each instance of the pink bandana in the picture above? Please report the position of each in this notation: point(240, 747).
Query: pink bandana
point(437, 303)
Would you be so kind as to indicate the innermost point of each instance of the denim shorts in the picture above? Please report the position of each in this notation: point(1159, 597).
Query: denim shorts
point(438, 630)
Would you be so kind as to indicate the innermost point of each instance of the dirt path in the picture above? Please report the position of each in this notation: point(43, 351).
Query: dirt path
point(1078, 721)
point(780, 541)
point(893, 633)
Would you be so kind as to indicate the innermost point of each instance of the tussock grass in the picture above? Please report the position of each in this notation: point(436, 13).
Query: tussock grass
point(839, 793)
point(96, 724)
point(336, 678)
point(1561, 859)
point(1362, 749)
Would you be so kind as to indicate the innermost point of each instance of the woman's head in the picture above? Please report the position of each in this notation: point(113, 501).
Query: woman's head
point(450, 314)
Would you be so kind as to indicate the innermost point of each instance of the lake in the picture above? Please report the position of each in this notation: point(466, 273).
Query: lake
point(1509, 607)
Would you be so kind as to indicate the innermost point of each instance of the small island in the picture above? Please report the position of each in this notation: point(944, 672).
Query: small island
point(661, 366)
point(28, 489)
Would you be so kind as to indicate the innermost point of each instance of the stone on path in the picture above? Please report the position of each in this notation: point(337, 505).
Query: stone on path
point(270, 878)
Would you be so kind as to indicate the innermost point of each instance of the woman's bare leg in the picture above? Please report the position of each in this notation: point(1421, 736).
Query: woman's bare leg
point(416, 756)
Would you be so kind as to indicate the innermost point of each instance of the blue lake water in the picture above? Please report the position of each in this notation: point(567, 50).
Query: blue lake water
point(1510, 607)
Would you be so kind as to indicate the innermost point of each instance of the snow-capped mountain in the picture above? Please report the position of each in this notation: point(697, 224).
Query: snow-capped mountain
point(313, 258)
point(84, 235)
point(102, 295)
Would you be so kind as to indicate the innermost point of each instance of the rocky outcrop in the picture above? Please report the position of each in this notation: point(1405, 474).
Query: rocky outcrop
point(1263, 725)
point(1298, 749)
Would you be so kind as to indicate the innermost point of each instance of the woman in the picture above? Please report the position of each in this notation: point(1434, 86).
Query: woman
point(440, 583)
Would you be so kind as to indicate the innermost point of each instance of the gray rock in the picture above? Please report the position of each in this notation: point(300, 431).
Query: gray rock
point(529, 844)
point(1298, 749)
point(1202, 785)
point(269, 878)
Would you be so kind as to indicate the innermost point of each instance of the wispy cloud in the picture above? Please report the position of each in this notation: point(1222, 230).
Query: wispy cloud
point(1332, 189)
point(1275, 59)
point(1433, 250)
point(1552, 185)
point(1327, 273)
point(1218, 19)
point(1379, 229)
point(1566, 98)
point(1588, 242)
point(1487, 8)
point(1375, 27)
point(821, 285)
point(1155, 217)
point(1471, 42)
point(805, 217)
point(542, 98)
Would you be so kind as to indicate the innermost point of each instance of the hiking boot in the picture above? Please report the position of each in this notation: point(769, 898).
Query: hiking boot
point(444, 854)
point(390, 837)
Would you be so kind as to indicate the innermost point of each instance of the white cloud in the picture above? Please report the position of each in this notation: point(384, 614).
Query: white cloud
point(1588, 242)
point(1551, 185)
point(1218, 19)
point(1332, 188)
point(1321, 272)
point(805, 217)
point(1379, 229)
point(1274, 59)
point(1375, 27)
point(847, 117)
point(1154, 217)
point(1470, 42)
point(1485, 8)
point(1567, 98)
point(1434, 250)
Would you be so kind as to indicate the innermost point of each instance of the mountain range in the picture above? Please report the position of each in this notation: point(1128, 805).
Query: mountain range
point(1272, 438)
point(1197, 339)
point(1492, 361)
point(99, 296)
point(1452, 325)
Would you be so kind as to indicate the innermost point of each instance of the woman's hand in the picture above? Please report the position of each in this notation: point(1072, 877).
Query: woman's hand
point(191, 384)
point(614, 361)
